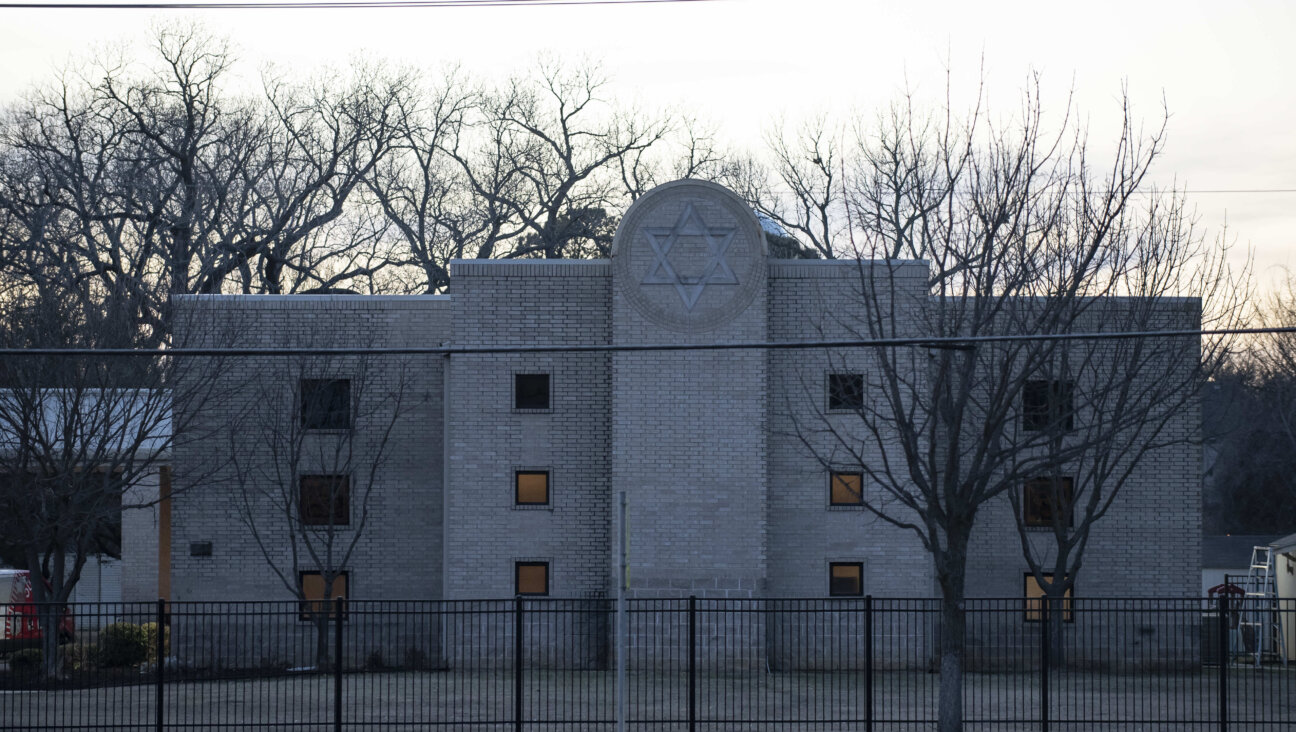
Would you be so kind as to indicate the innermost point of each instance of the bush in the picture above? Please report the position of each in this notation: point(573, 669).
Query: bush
point(78, 657)
point(151, 634)
point(123, 645)
point(416, 660)
point(26, 661)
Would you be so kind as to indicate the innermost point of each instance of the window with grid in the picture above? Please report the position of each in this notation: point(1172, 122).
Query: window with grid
point(315, 601)
point(1035, 600)
point(325, 404)
point(846, 489)
point(1048, 405)
point(531, 391)
point(531, 578)
point(324, 500)
point(846, 579)
point(845, 392)
point(531, 487)
point(1045, 499)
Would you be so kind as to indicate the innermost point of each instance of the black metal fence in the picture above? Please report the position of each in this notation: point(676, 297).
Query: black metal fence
point(710, 664)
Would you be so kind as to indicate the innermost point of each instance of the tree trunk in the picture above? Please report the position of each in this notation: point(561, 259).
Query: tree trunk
point(1057, 631)
point(951, 570)
point(952, 637)
point(321, 620)
point(47, 615)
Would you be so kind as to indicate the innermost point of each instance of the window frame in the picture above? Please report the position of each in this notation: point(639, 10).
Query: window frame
point(832, 381)
point(517, 391)
point(307, 607)
point(1033, 607)
point(307, 417)
point(859, 567)
point(1049, 414)
point(346, 497)
point(517, 577)
point(833, 477)
point(1041, 521)
point(517, 488)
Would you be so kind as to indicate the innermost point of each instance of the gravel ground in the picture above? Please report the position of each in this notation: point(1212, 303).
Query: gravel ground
point(1262, 699)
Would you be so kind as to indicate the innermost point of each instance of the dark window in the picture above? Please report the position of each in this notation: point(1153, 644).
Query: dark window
point(326, 404)
point(1047, 405)
point(846, 579)
point(530, 391)
point(314, 600)
point(325, 500)
point(1044, 498)
point(1035, 603)
point(531, 487)
point(845, 392)
point(847, 489)
point(532, 578)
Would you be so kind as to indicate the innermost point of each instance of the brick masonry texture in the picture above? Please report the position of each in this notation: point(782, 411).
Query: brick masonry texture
point(724, 455)
point(396, 553)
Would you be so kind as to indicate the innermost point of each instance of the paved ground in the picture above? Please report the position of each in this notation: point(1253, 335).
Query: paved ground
point(1260, 700)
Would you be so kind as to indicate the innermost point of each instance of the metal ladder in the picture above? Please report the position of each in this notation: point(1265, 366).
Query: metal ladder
point(1260, 609)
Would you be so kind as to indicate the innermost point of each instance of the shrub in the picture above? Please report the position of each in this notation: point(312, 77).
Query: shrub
point(375, 661)
point(416, 659)
point(78, 656)
point(151, 635)
point(25, 661)
point(123, 645)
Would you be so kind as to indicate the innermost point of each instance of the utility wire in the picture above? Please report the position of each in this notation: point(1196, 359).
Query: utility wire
point(943, 342)
point(326, 4)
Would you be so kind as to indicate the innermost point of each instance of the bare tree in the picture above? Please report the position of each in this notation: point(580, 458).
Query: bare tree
point(309, 449)
point(152, 181)
point(690, 149)
point(1253, 427)
point(808, 199)
point(551, 151)
point(1017, 234)
point(438, 212)
point(78, 435)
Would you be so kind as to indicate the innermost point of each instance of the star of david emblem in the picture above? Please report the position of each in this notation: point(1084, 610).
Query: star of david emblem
point(715, 270)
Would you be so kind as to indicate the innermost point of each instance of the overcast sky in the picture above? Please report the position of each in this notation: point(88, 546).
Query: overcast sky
point(1225, 70)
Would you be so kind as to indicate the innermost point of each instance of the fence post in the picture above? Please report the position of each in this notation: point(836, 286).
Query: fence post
point(1045, 641)
point(1224, 658)
point(517, 663)
point(160, 661)
point(337, 664)
point(868, 663)
point(692, 662)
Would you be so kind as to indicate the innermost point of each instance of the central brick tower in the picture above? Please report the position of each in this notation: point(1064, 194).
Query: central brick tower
point(689, 427)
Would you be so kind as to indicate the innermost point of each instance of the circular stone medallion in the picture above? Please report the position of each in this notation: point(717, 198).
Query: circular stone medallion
point(689, 256)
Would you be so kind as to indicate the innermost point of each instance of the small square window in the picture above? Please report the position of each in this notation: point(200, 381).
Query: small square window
point(532, 578)
point(530, 391)
point(326, 404)
point(325, 500)
point(846, 579)
point(314, 602)
point(845, 392)
point(1043, 498)
point(847, 489)
point(1035, 603)
point(531, 487)
point(1047, 405)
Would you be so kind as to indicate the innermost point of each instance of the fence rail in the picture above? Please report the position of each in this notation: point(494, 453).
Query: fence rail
point(692, 663)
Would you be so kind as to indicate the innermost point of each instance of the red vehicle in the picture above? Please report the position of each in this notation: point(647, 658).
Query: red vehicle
point(19, 625)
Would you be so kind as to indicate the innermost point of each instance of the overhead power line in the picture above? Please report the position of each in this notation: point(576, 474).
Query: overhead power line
point(944, 342)
point(325, 4)
point(1240, 190)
